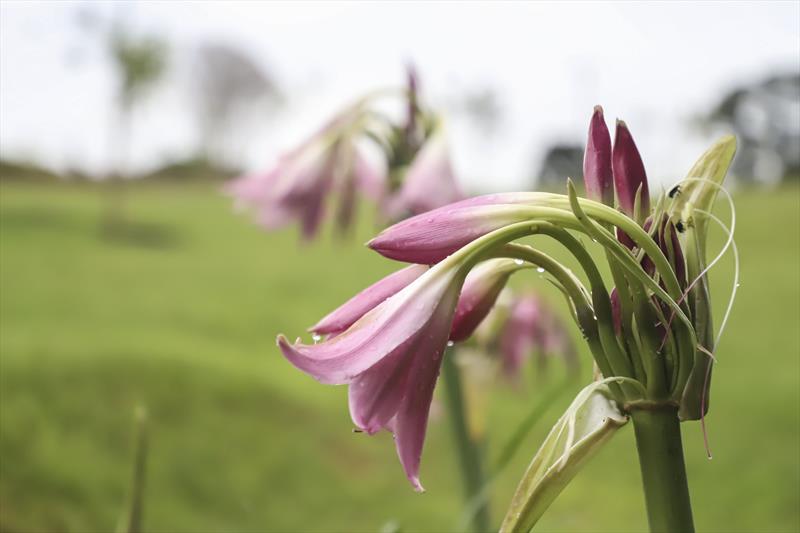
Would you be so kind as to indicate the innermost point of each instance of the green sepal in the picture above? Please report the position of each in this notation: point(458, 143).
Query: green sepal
point(700, 188)
point(588, 423)
point(695, 195)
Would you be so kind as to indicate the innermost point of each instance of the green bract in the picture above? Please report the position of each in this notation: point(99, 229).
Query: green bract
point(591, 419)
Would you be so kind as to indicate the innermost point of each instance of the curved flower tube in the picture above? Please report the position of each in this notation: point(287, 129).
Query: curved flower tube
point(481, 289)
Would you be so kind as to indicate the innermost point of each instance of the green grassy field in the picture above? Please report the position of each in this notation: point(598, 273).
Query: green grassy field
point(182, 317)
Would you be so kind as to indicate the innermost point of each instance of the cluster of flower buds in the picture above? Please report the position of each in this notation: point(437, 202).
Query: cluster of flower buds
point(651, 339)
point(415, 176)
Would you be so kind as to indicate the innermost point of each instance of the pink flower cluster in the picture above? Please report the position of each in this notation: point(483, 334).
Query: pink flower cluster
point(333, 163)
point(388, 341)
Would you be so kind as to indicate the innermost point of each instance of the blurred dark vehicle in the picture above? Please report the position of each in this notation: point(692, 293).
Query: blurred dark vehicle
point(559, 162)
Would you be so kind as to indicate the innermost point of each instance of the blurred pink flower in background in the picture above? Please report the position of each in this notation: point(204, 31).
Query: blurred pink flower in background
point(297, 187)
point(532, 329)
point(429, 182)
point(414, 175)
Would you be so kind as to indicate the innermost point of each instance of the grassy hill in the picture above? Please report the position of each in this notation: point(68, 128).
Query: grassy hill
point(180, 313)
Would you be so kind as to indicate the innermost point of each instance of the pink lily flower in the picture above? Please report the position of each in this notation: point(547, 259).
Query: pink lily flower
point(480, 292)
point(391, 358)
point(429, 182)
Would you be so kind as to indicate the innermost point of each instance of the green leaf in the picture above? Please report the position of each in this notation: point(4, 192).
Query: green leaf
point(591, 419)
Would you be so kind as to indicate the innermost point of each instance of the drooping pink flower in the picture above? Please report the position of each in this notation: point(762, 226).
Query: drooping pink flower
point(391, 357)
point(429, 181)
point(348, 313)
point(481, 289)
point(297, 188)
point(597, 173)
point(293, 190)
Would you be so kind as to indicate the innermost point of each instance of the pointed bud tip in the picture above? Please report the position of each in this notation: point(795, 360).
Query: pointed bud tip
point(570, 186)
point(727, 140)
point(598, 110)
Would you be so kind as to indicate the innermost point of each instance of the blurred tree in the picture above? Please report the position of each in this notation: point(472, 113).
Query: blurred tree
point(229, 88)
point(139, 62)
point(765, 117)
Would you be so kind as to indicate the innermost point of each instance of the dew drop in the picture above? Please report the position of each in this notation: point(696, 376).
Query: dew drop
point(540, 270)
point(518, 261)
point(450, 343)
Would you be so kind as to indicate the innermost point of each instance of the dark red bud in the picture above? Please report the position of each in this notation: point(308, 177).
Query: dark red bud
point(597, 174)
point(629, 173)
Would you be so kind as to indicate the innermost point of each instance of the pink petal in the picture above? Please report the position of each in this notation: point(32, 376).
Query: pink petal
point(411, 422)
point(370, 179)
point(429, 182)
point(348, 313)
point(520, 333)
point(430, 237)
point(375, 395)
point(378, 333)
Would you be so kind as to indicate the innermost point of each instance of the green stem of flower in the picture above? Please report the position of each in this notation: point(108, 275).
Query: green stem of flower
point(469, 452)
point(658, 440)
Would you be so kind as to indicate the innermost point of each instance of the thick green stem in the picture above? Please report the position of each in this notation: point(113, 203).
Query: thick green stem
point(469, 453)
point(658, 439)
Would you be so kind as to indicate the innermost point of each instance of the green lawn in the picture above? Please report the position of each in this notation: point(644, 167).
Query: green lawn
point(182, 316)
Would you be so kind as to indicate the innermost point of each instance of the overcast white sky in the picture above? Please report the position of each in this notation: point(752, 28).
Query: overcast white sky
point(653, 64)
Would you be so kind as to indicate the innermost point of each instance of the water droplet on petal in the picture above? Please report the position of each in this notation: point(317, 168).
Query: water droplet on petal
point(450, 343)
